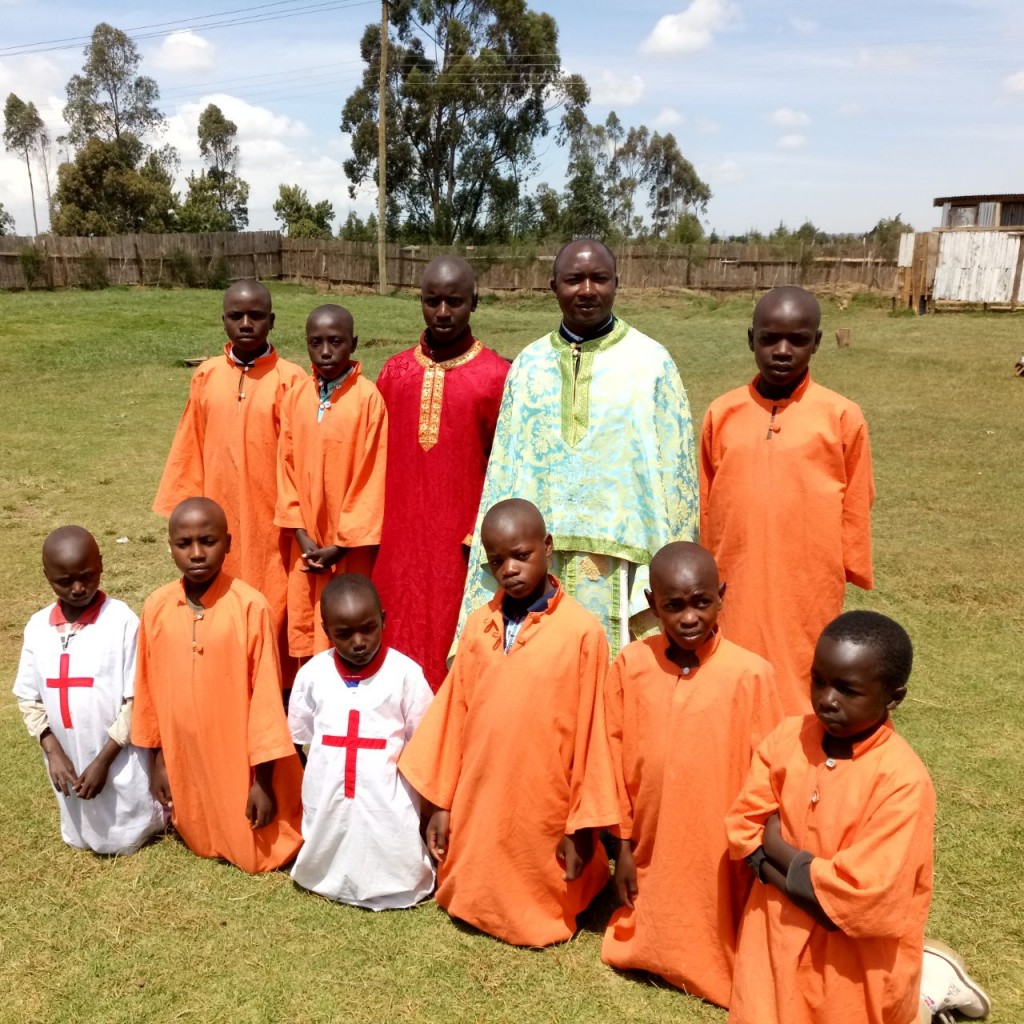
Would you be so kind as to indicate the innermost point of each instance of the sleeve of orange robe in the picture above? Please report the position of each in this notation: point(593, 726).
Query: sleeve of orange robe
point(145, 727)
point(362, 509)
point(613, 704)
point(268, 736)
point(866, 887)
point(857, 501)
point(432, 760)
point(288, 513)
point(592, 790)
point(744, 824)
point(184, 473)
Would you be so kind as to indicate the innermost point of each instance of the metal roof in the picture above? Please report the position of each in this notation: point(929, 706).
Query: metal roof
point(996, 197)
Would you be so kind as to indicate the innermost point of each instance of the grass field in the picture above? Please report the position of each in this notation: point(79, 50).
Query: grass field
point(92, 389)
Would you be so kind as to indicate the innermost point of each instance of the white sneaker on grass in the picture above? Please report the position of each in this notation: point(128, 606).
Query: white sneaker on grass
point(946, 985)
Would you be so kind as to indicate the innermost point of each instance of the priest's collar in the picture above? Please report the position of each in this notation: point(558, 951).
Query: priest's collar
point(577, 339)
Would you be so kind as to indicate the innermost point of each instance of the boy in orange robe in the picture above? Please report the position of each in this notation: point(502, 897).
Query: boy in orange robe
point(685, 712)
point(836, 818)
point(513, 751)
point(443, 398)
point(785, 495)
point(225, 446)
point(330, 474)
point(208, 703)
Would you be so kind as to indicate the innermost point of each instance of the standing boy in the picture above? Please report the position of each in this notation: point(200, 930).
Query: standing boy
point(330, 473)
point(225, 447)
point(74, 687)
point(208, 704)
point(442, 398)
point(685, 712)
point(836, 819)
point(513, 751)
point(357, 705)
point(785, 495)
point(595, 430)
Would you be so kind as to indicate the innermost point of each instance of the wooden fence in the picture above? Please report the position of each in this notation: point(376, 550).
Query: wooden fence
point(193, 259)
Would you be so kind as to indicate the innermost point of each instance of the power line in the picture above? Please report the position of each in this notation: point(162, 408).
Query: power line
point(317, 8)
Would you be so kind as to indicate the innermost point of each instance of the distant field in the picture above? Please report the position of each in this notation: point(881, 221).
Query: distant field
point(92, 389)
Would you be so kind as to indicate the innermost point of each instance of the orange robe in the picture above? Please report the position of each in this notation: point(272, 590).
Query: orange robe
point(330, 483)
point(225, 448)
point(208, 692)
point(785, 507)
point(515, 746)
point(681, 745)
point(868, 822)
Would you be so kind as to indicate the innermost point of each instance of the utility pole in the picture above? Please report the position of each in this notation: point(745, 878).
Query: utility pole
point(382, 152)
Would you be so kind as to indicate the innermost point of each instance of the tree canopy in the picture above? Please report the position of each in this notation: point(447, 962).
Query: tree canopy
point(6, 222)
point(300, 217)
point(470, 85)
point(217, 198)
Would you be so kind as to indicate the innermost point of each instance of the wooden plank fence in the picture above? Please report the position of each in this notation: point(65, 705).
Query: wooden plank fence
point(166, 260)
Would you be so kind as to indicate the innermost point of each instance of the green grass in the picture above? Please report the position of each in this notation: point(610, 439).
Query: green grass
point(92, 389)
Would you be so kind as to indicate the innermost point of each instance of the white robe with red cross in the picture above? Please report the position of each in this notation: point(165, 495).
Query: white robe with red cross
point(360, 818)
point(82, 684)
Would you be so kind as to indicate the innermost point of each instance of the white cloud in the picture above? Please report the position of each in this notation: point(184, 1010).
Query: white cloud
point(726, 171)
point(1014, 82)
point(186, 53)
point(706, 126)
point(608, 87)
point(853, 109)
point(667, 117)
point(805, 26)
point(793, 140)
point(787, 117)
point(692, 29)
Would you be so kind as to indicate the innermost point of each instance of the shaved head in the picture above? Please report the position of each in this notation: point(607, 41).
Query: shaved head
point(248, 288)
point(792, 301)
point(518, 512)
point(578, 245)
point(683, 560)
point(70, 543)
point(193, 507)
point(334, 312)
point(346, 587)
point(449, 269)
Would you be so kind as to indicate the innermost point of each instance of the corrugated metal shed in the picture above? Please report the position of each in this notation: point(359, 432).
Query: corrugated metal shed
point(976, 267)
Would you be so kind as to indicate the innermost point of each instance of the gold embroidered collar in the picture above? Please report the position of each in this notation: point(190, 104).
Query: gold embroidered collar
point(433, 390)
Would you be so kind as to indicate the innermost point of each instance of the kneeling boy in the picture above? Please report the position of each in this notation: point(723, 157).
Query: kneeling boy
point(685, 712)
point(208, 703)
point(513, 751)
point(357, 706)
point(836, 819)
point(74, 687)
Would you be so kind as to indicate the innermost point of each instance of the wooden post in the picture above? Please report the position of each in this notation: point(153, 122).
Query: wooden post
point(1017, 272)
point(382, 152)
point(843, 337)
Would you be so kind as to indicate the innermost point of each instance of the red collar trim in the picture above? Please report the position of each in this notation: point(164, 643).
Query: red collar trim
point(87, 618)
point(460, 348)
point(371, 668)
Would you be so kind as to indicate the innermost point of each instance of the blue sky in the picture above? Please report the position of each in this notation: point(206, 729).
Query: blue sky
point(837, 112)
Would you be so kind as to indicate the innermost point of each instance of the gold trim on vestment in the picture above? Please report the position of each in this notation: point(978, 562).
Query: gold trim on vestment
point(433, 391)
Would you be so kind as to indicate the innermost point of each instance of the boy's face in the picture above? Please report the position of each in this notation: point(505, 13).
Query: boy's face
point(517, 556)
point(330, 343)
point(199, 545)
point(354, 624)
point(448, 299)
point(247, 320)
point(584, 285)
point(686, 600)
point(74, 571)
point(847, 691)
point(783, 338)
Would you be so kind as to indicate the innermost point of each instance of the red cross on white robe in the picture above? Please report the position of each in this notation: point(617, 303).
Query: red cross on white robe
point(64, 682)
point(352, 742)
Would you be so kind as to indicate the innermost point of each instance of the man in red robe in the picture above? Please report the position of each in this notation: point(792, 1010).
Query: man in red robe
point(442, 398)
